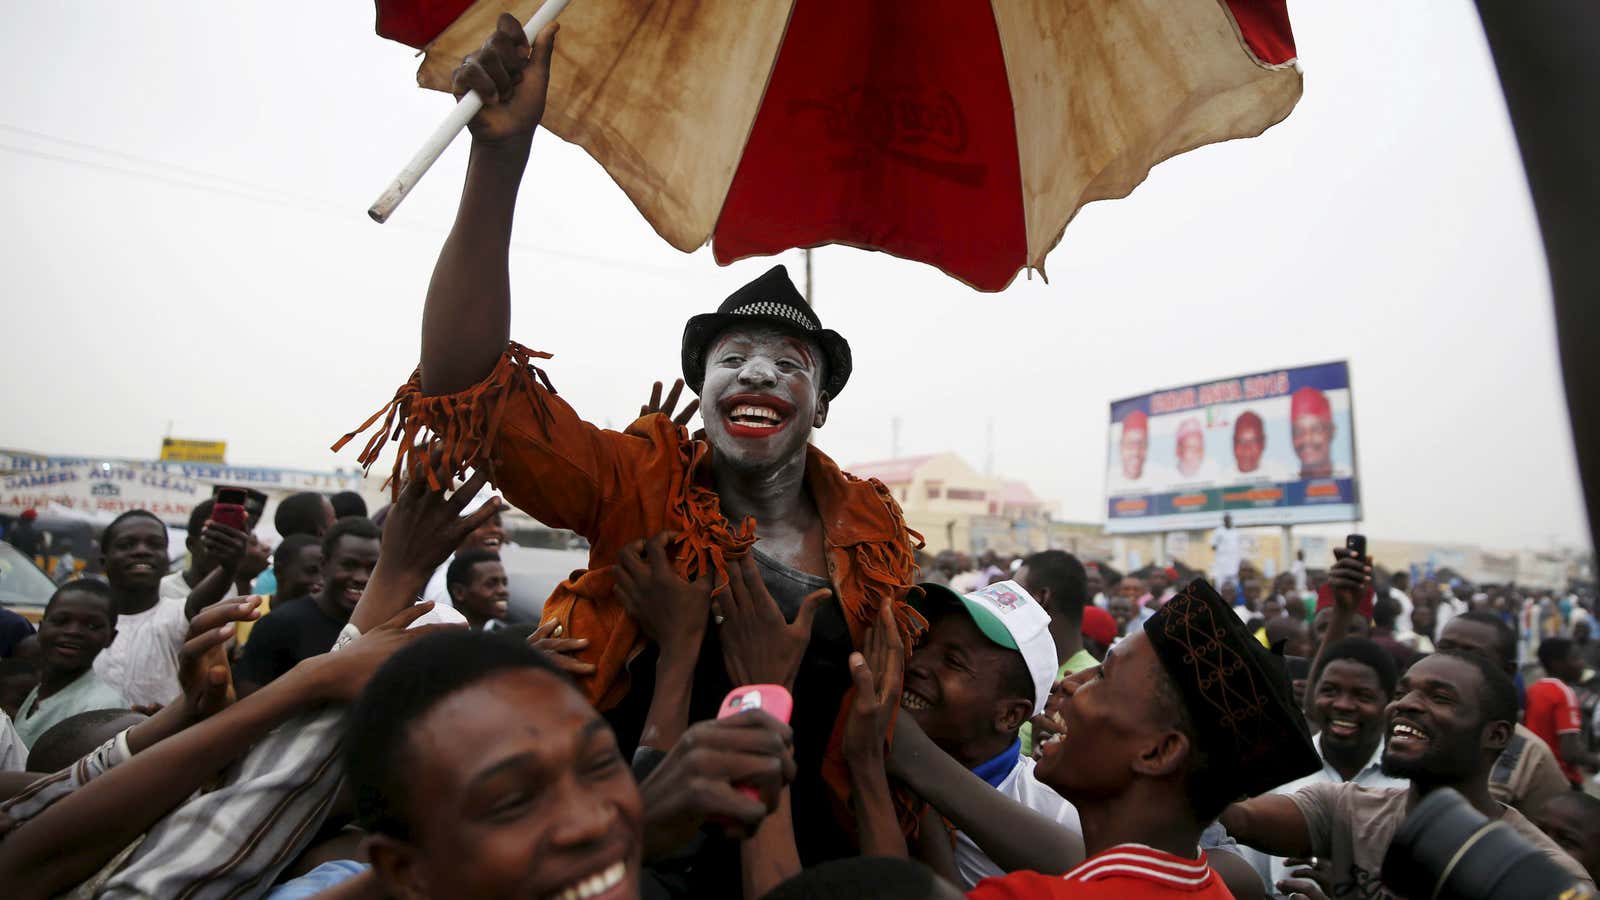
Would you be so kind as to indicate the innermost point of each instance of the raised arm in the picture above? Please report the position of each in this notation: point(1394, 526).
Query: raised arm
point(228, 547)
point(50, 853)
point(467, 320)
point(672, 611)
point(1271, 823)
point(1349, 577)
point(1014, 836)
point(877, 674)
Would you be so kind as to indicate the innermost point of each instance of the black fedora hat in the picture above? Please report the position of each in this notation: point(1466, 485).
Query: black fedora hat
point(768, 300)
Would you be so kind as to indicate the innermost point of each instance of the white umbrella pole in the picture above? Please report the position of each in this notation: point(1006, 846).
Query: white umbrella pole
point(434, 146)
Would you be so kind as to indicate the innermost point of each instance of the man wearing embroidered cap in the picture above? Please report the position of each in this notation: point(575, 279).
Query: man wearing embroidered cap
point(1311, 418)
point(753, 500)
point(1184, 716)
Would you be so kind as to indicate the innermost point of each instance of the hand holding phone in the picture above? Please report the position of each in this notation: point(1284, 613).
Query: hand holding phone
point(772, 699)
point(228, 508)
point(1357, 544)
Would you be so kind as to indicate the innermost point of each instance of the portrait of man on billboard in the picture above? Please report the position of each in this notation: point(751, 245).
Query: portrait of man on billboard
point(1312, 420)
point(1135, 444)
point(1249, 442)
point(1191, 448)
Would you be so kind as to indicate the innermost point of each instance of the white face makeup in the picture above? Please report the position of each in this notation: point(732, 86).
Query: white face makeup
point(761, 397)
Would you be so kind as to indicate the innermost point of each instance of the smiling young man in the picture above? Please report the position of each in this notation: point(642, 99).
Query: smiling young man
point(79, 622)
point(1449, 722)
point(296, 572)
point(143, 662)
point(983, 671)
point(478, 588)
point(1527, 774)
point(479, 772)
point(486, 538)
point(1348, 697)
point(1144, 756)
point(766, 372)
point(307, 626)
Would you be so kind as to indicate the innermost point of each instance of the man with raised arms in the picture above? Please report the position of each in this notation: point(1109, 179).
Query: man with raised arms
point(754, 507)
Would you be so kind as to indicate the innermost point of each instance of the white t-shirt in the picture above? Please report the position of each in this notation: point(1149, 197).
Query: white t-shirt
point(1402, 622)
point(1021, 786)
point(437, 590)
point(13, 756)
point(1226, 542)
point(142, 662)
point(173, 587)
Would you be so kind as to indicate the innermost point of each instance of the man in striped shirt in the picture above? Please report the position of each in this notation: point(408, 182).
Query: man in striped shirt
point(1184, 715)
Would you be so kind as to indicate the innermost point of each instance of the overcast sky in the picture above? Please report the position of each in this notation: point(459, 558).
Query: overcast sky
point(186, 241)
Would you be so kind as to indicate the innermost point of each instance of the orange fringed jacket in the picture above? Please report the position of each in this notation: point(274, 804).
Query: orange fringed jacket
point(617, 487)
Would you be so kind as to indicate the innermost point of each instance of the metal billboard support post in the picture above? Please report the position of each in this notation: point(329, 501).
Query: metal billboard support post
point(1286, 552)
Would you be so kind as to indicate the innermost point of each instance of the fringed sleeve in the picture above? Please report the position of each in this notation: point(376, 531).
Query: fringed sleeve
point(461, 426)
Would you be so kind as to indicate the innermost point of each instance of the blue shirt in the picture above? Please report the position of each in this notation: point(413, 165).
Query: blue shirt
point(994, 771)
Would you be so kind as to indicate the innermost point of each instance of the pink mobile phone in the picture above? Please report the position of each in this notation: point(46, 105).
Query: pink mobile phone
point(773, 699)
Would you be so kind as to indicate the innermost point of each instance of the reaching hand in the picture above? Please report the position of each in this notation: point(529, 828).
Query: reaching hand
point(758, 646)
point(346, 672)
point(256, 556)
point(203, 670)
point(423, 527)
point(670, 609)
point(1349, 577)
point(695, 783)
point(511, 77)
point(226, 545)
point(562, 651)
point(656, 406)
point(877, 673)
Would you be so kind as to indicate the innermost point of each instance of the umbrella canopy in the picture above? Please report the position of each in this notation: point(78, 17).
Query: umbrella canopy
point(961, 133)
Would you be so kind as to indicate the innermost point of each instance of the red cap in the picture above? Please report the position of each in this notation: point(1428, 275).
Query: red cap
point(1190, 426)
point(1308, 401)
point(1136, 421)
point(29, 514)
point(1098, 624)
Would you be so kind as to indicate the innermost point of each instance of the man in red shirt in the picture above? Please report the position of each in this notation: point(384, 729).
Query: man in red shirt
point(1185, 715)
point(1553, 712)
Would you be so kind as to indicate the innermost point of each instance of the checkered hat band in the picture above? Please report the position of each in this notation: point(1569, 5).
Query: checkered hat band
point(779, 310)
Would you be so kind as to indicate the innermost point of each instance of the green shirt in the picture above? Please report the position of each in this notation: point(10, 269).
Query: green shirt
point(86, 692)
point(1079, 661)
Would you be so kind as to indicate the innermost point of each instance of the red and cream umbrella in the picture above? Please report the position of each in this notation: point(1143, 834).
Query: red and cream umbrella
point(965, 134)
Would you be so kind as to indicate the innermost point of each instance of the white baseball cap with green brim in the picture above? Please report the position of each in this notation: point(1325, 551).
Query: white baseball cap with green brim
point(1009, 616)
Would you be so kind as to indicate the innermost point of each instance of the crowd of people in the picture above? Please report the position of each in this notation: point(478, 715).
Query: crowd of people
point(350, 715)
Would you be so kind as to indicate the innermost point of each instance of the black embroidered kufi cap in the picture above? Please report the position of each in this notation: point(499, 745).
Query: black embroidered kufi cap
point(1237, 693)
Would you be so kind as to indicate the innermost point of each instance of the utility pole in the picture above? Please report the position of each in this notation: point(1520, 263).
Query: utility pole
point(809, 300)
point(988, 453)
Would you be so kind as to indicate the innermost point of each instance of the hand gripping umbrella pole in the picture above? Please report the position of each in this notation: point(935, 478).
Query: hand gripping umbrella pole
point(434, 146)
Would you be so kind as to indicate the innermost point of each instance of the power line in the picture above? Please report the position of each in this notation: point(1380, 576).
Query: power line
point(184, 177)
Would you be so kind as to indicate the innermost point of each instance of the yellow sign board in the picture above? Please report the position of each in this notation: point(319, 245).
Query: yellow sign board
point(180, 450)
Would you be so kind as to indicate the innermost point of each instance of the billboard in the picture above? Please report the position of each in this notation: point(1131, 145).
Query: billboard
point(1269, 448)
point(105, 487)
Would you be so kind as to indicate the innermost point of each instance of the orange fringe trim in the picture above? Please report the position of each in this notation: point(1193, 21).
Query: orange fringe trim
point(465, 423)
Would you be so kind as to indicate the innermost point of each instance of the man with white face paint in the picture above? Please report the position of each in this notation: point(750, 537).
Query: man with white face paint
point(752, 505)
